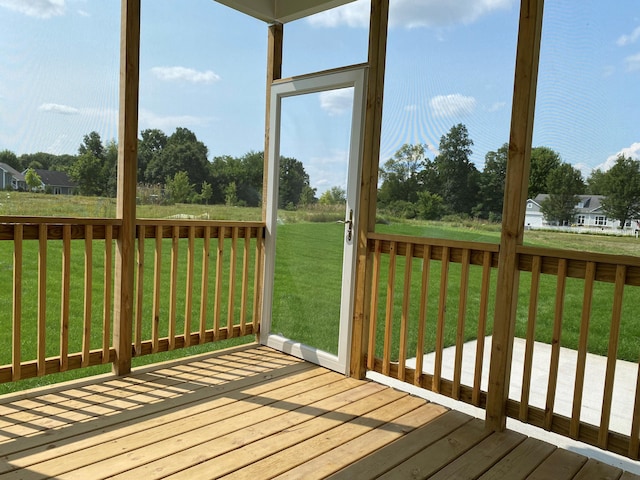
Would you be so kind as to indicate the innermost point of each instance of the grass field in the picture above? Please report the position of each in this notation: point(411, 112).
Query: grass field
point(307, 281)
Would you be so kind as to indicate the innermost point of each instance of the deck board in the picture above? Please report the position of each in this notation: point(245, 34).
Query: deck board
point(252, 412)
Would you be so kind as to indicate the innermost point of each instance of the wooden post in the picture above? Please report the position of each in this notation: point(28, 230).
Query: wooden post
point(274, 72)
point(369, 182)
point(127, 175)
point(515, 196)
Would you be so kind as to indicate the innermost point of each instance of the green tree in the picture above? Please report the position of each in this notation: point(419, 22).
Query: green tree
point(564, 184)
point(32, 179)
point(150, 145)
point(596, 182)
point(401, 175)
point(92, 143)
point(182, 153)
point(491, 188)
point(308, 196)
point(430, 206)
point(334, 196)
point(109, 171)
point(456, 177)
point(293, 180)
point(179, 188)
point(231, 195)
point(206, 191)
point(622, 190)
point(9, 158)
point(544, 160)
point(87, 173)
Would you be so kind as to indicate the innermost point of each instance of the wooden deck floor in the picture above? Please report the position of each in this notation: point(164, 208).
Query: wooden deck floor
point(255, 413)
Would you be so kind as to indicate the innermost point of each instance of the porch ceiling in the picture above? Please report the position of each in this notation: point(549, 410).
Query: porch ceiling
point(282, 11)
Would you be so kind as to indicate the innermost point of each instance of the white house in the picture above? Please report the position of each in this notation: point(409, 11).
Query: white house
point(589, 215)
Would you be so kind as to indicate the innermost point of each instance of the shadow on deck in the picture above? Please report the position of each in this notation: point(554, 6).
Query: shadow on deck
point(252, 412)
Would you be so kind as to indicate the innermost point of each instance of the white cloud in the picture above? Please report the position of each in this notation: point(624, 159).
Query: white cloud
point(629, 39)
point(454, 105)
point(36, 8)
point(59, 109)
point(497, 106)
point(168, 123)
point(337, 102)
point(411, 108)
point(630, 152)
point(185, 74)
point(633, 62)
point(412, 13)
point(84, 13)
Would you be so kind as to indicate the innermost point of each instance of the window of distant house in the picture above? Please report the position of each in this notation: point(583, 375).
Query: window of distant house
point(601, 220)
point(581, 219)
point(529, 205)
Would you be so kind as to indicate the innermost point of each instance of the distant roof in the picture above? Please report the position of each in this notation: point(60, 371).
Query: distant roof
point(54, 178)
point(14, 173)
point(587, 203)
point(282, 11)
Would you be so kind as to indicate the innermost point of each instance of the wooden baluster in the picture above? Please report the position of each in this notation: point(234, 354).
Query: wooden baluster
point(531, 338)
point(589, 279)
point(43, 233)
point(64, 302)
point(204, 286)
point(258, 279)
point(232, 281)
point(388, 327)
point(16, 352)
point(612, 354)
point(88, 284)
point(139, 291)
point(108, 287)
point(555, 343)
point(442, 314)
point(422, 315)
point(482, 327)
point(188, 303)
point(218, 293)
point(373, 317)
point(173, 286)
point(404, 318)
point(245, 280)
point(462, 310)
point(157, 287)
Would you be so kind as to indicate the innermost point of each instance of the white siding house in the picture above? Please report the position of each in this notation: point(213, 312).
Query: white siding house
point(589, 215)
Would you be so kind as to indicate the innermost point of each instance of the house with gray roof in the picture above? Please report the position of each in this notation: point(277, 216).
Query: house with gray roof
point(11, 178)
point(55, 182)
point(589, 215)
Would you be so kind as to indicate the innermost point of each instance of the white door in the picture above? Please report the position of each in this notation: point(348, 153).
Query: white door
point(316, 123)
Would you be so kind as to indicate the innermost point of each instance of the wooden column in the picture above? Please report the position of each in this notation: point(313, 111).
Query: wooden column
point(515, 196)
point(274, 72)
point(127, 175)
point(369, 182)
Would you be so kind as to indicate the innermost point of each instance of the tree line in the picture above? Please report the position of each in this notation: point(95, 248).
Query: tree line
point(177, 168)
point(416, 186)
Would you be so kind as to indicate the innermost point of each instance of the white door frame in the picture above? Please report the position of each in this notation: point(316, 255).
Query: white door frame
point(348, 77)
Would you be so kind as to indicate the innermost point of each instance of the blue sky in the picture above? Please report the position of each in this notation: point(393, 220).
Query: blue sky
point(203, 67)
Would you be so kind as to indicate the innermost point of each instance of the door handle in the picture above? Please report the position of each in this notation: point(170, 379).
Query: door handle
point(349, 224)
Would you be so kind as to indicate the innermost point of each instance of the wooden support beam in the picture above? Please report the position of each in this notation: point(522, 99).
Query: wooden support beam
point(369, 182)
point(515, 196)
point(274, 72)
point(127, 175)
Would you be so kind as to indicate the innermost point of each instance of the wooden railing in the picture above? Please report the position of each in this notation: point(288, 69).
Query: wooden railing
point(430, 325)
point(196, 282)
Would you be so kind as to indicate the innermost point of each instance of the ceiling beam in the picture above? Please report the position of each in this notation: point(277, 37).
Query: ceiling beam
point(282, 11)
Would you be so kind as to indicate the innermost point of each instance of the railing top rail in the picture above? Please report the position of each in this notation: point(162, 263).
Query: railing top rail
point(440, 242)
point(33, 220)
point(198, 222)
point(607, 258)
